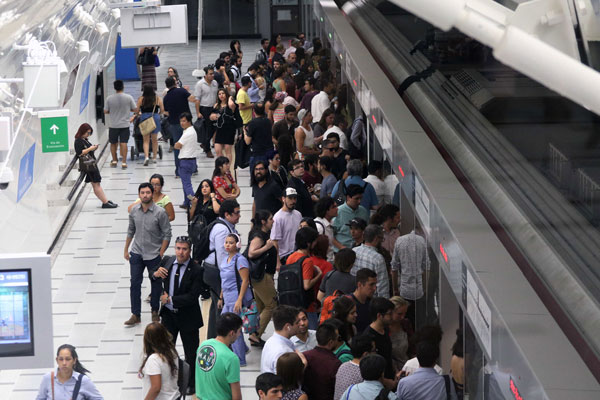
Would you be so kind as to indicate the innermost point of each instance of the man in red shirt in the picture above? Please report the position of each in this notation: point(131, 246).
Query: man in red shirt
point(305, 239)
point(322, 364)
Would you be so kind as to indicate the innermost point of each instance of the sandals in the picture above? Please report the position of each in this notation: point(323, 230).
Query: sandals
point(260, 343)
point(124, 165)
point(113, 164)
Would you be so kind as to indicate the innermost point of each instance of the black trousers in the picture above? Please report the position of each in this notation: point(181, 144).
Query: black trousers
point(211, 330)
point(210, 128)
point(189, 338)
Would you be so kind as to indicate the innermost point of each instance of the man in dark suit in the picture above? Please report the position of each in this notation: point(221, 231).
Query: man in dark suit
point(180, 312)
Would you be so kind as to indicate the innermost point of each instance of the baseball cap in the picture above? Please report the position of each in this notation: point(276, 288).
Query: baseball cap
point(357, 223)
point(290, 192)
point(301, 114)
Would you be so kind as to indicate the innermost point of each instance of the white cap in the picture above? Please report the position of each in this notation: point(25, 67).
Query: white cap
point(290, 191)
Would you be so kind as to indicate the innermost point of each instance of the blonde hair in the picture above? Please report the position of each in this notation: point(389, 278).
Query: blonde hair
point(399, 302)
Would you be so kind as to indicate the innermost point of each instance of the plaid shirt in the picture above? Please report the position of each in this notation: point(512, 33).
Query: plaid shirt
point(368, 257)
point(410, 260)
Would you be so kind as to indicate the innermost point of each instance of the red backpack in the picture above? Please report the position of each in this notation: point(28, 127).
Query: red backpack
point(327, 306)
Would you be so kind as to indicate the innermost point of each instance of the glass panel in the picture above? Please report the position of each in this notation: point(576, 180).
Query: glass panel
point(216, 17)
point(243, 16)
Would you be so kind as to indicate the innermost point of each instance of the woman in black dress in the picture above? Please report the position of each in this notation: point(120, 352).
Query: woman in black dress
point(223, 117)
point(205, 202)
point(82, 147)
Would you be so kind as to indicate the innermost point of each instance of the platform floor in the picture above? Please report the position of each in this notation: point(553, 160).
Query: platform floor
point(90, 277)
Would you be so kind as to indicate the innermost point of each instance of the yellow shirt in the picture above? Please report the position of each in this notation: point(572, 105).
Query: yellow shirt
point(243, 99)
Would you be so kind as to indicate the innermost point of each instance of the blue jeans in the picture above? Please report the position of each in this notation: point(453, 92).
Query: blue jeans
point(176, 132)
point(136, 268)
point(313, 320)
point(186, 169)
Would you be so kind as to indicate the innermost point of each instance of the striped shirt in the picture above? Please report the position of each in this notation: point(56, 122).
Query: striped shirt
point(368, 257)
point(409, 258)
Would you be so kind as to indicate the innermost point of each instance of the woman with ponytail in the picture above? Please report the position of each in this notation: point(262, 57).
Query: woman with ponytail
point(261, 247)
point(69, 380)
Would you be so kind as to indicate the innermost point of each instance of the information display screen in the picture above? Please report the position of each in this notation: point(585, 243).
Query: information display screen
point(16, 326)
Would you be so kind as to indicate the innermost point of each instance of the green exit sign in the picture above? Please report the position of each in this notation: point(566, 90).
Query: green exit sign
point(55, 131)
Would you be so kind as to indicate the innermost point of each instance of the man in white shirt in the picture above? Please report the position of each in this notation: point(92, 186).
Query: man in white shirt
point(375, 178)
point(305, 339)
point(339, 126)
point(327, 210)
point(205, 93)
point(285, 322)
point(187, 156)
point(322, 101)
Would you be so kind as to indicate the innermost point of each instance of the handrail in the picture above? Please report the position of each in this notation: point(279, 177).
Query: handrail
point(63, 178)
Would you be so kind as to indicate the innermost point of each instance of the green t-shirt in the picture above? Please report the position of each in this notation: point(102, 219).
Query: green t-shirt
point(216, 368)
point(343, 353)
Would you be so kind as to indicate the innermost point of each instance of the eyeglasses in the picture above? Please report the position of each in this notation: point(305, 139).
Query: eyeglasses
point(236, 212)
point(298, 167)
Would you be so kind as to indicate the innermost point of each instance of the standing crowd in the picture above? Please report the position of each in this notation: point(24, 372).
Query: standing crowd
point(324, 260)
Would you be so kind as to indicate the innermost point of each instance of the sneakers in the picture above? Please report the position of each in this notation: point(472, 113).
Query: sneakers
point(109, 204)
point(155, 316)
point(154, 161)
point(209, 155)
point(113, 164)
point(134, 320)
point(146, 162)
point(170, 149)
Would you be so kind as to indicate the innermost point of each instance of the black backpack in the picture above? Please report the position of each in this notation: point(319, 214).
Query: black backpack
point(183, 376)
point(196, 228)
point(340, 195)
point(202, 240)
point(290, 286)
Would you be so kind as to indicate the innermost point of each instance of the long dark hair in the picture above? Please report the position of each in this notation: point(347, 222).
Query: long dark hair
point(226, 97)
point(291, 370)
point(260, 216)
point(198, 193)
point(157, 339)
point(388, 211)
point(78, 367)
point(273, 41)
point(270, 94)
point(83, 128)
point(232, 46)
point(341, 308)
point(324, 116)
point(148, 96)
point(219, 162)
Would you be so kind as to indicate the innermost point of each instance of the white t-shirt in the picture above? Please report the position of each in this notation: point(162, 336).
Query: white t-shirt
point(413, 364)
point(380, 188)
point(343, 139)
point(156, 366)
point(189, 143)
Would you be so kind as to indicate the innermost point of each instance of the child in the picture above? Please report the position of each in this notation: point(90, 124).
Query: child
point(235, 291)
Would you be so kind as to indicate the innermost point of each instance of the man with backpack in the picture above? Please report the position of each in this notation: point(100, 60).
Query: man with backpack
point(355, 169)
point(213, 252)
point(425, 383)
point(348, 211)
point(372, 368)
point(299, 276)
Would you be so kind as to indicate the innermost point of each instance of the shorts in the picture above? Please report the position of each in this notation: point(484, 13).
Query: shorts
point(116, 135)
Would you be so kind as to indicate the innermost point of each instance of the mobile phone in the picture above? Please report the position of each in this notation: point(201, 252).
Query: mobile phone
point(190, 197)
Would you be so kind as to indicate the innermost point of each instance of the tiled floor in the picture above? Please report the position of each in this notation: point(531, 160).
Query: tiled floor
point(90, 278)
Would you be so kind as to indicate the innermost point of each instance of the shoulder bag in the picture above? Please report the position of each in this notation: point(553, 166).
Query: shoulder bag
point(250, 316)
point(148, 125)
point(87, 163)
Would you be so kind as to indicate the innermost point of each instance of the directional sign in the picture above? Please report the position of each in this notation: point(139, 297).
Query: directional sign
point(25, 172)
point(85, 94)
point(55, 134)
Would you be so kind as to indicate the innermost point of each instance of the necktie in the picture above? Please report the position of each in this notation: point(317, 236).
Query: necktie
point(176, 284)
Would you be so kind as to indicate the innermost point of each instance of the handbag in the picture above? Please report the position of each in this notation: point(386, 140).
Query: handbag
point(148, 125)
point(87, 163)
point(250, 318)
